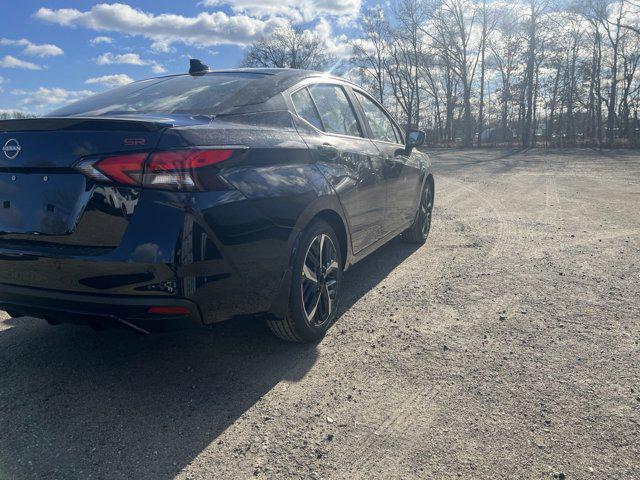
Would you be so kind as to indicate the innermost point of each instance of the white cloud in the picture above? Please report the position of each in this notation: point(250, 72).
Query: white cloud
point(162, 47)
point(337, 45)
point(44, 98)
point(126, 59)
point(46, 50)
point(205, 29)
point(101, 39)
point(129, 59)
point(110, 80)
point(32, 49)
point(299, 10)
point(12, 62)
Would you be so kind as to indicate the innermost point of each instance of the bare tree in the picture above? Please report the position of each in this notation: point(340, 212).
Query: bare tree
point(630, 56)
point(489, 21)
point(433, 77)
point(289, 48)
point(407, 52)
point(15, 114)
point(536, 9)
point(591, 10)
point(370, 53)
point(505, 44)
point(557, 67)
point(453, 33)
point(595, 86)
point(601, 11)
point(447, 75)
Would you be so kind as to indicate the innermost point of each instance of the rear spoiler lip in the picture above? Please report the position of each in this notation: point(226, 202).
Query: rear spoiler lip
point(42, 124)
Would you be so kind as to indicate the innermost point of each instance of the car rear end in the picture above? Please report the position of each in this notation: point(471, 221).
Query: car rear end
point(126, 220)
point(70, 248)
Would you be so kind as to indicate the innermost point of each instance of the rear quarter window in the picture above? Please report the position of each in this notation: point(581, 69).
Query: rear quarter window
point(304, 106)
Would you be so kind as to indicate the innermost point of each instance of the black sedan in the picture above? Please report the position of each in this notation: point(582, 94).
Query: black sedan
point(204, 197)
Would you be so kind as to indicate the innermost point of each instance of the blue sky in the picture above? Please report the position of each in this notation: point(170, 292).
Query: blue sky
point(52, 52)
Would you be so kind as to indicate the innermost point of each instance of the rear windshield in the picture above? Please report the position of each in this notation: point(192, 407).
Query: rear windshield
point(184, 94)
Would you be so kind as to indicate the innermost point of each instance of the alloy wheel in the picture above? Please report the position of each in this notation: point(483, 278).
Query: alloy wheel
point(320, 280)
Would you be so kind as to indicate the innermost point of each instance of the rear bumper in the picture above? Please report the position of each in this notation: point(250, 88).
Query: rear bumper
point(216, 250)
point(102, 310)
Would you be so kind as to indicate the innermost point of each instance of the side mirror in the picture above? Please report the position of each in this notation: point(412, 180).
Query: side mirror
point(415, 138)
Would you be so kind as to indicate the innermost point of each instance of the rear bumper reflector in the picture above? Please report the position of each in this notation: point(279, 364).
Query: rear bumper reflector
point(167, 310)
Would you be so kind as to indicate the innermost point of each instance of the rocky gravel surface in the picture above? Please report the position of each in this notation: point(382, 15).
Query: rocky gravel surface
point(506, 347)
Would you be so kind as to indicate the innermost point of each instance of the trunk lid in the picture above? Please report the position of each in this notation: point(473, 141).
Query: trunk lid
point(44, 200)
point(54, 143)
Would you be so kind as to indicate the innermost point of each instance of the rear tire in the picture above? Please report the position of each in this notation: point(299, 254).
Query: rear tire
point(315, 287)
point(419, 231)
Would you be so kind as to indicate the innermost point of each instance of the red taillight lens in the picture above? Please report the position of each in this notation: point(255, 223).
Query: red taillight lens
point(171, 169)
point(186, 159)
point(124, 169)
point(184, 169)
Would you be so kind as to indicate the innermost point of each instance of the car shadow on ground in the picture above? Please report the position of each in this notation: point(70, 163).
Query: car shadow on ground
point(79, 404)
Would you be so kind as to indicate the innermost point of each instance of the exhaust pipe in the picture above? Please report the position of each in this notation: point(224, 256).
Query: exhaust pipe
point(131, 326)
point(101, 326)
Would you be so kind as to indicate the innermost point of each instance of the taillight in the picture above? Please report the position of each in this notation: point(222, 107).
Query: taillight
point(193, 169)
point(184, 169)
point(124, 169)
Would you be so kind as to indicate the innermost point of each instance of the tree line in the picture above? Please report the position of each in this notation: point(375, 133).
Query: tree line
point(530, 72)
point(15, 114)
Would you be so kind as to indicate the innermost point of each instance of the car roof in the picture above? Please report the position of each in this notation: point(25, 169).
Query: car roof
point(272, 75)
point(262, 90)
point(256, 95)
point(270, 71)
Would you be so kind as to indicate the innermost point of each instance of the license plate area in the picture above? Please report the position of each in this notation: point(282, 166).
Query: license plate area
point(41, 203)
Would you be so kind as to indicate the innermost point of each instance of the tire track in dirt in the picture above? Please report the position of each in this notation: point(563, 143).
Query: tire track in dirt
point(456, 199)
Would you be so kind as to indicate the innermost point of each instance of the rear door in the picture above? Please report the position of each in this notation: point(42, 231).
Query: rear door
point(350, 161)
point(401, 172)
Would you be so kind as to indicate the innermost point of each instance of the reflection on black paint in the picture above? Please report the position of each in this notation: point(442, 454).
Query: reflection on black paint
point(107, 282)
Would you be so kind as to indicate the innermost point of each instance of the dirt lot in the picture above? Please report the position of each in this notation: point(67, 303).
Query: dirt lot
point(507, 347)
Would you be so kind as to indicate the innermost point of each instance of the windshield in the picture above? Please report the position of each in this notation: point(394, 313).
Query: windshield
point(183, 94)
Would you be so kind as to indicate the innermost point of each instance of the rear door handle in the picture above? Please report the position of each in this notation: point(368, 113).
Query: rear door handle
point(392, 161)
point(328, 150)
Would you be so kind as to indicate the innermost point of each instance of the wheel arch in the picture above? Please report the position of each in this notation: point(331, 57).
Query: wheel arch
point(337, 224)
point(328, 209)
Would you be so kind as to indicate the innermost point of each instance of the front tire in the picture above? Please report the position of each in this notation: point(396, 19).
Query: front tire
point(315, 286)
point(419, 231)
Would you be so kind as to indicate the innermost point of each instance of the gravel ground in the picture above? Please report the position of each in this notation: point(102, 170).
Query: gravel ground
point(507, 347)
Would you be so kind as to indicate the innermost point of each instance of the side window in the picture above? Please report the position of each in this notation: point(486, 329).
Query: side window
point(305, 107)
point(381, 126)
point(335, 110)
